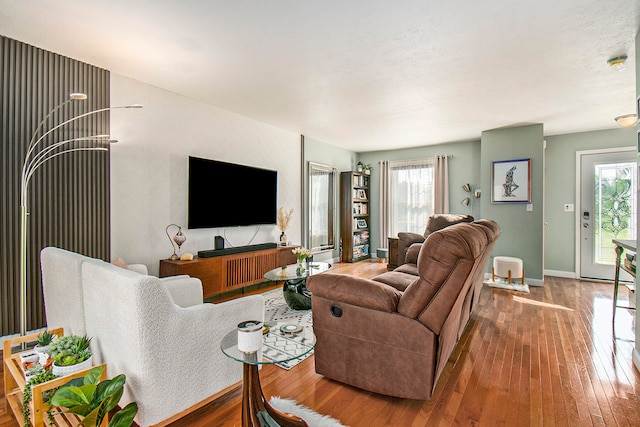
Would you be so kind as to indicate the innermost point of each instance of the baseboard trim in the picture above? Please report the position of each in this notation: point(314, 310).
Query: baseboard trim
point(558, 273)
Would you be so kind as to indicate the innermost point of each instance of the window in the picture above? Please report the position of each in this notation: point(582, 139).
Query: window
point(411, 195)
point(322, 192)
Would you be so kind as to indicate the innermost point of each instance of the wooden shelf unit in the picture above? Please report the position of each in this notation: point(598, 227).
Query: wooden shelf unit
point(14, 382)
point(354, 207)
point(226, 273)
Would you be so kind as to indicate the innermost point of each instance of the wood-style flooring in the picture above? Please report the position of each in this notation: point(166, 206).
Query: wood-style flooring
point(548, 358)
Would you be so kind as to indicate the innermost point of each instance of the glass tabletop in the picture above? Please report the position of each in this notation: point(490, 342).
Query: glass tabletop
point(277, 346)
point(290, 272)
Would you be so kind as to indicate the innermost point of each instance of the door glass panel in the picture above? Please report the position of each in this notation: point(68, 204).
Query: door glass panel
point(615, 213)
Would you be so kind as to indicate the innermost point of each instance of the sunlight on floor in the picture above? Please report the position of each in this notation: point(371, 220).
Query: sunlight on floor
point(540, 303)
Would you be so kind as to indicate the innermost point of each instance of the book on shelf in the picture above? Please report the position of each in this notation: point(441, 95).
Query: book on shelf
point(360, 208)
point(360, 181)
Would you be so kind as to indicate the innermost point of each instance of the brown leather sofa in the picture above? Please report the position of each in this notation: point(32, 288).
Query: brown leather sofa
point(373, 336)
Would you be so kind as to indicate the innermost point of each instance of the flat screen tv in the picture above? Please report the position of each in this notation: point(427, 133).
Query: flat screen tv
point(225, 194)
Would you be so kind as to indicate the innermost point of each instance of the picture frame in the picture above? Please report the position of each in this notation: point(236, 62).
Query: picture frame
point(362, 194)
point(511, 181)
point(361, 223)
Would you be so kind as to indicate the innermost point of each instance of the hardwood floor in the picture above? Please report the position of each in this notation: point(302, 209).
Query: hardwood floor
point(549, 358)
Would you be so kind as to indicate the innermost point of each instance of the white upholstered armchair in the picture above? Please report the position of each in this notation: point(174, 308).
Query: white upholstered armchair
point(170, 354)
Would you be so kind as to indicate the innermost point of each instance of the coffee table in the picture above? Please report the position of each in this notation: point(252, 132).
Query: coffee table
point(255, 408)
point(295, 291)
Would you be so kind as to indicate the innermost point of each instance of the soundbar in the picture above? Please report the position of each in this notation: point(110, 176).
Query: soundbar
point(236, 250)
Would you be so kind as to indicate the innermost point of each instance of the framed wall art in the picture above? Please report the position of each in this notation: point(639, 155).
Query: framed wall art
point(511, 181)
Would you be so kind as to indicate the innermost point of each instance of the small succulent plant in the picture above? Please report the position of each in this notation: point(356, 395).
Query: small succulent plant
point(35, 369)
point(70, 350)
point(45, 338)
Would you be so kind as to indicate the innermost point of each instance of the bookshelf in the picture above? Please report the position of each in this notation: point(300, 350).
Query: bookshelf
point(354, 216)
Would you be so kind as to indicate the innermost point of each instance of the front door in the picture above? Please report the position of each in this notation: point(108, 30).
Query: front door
point(607, 210)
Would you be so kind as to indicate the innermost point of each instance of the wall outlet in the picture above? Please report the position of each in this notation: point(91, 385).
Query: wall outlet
point(529, 207)
point(568, 207)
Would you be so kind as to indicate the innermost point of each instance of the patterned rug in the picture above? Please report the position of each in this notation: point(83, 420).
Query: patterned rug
point(276, 310)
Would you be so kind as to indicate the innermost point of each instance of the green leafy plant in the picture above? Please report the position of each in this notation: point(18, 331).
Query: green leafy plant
point(39, 378)
point(366, 167)
point(70, 350)
point(92, 399)
point(45, 338)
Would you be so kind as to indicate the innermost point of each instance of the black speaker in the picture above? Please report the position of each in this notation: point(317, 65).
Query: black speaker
point(218, 242)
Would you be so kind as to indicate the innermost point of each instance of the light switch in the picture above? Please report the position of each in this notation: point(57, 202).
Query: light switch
point(529, 207)
point(568, 207)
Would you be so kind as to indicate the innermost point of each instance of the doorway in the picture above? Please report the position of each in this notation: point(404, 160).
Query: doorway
point(607, 202)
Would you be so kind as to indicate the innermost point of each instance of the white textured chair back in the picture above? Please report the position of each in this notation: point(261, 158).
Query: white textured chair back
point(62, 287)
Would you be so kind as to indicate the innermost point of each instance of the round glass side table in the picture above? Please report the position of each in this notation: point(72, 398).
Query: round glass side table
point(277, 346)
point(294, 288)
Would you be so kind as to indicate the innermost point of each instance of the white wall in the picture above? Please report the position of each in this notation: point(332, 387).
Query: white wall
point(149, 169)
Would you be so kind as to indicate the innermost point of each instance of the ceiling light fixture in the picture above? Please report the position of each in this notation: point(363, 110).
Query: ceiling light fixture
point(627, 120)
point(617, 63)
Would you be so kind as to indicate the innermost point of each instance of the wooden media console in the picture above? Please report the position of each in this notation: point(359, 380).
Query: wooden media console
point(225, 273)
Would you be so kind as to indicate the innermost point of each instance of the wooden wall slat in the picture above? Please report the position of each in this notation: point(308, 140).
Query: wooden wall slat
point(68, 196)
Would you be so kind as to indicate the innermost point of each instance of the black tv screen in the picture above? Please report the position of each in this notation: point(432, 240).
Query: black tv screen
point(225, 194)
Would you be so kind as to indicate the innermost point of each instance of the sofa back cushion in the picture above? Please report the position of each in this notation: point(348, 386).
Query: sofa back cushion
point(445, 267)
point(439, 221)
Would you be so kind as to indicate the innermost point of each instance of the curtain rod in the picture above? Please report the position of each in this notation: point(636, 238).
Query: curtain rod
point(448, 156)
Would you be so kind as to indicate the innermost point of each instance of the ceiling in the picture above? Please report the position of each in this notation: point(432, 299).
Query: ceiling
point(364, 75)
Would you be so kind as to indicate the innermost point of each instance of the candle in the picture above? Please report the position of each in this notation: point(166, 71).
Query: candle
point(250, 336)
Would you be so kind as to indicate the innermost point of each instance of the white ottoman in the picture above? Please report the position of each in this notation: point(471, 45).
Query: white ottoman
point(509, 267)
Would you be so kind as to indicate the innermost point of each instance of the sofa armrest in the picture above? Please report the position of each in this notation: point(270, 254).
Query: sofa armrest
point(185, 291)
point(406, 239)
point(354, 290)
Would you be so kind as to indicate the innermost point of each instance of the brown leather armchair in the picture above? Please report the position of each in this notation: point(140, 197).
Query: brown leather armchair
point(409, 243)
point(373, 336)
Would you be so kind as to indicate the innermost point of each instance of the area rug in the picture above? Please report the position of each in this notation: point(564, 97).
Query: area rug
point(312, 418)
point(276, 310)
point(500, 284)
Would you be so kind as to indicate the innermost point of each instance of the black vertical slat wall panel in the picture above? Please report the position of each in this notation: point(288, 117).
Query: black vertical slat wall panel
point(69, 195)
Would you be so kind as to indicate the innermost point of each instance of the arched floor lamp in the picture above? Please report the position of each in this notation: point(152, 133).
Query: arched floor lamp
point(37, 155)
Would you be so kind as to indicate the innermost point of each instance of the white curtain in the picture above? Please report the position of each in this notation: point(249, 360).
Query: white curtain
point(441, 185)
point(384, 204)
point(410, 192)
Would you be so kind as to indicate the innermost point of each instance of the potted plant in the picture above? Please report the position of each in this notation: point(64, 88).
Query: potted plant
point(301, 254)
point(366, 168)
point(93, 399)
point(70, 354)
point(42, 376)
point(44, 339)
